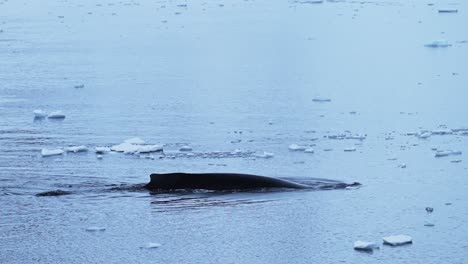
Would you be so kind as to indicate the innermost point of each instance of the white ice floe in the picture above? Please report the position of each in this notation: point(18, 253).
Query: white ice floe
point(445, 153)
point(403, 166)
point(296, 147)
point(440, 43)
point(349, 149)
point(76, 149)
point(56, 115)
point(264, 155)
point(321, 99)
point(149, 148)
point(128, 148)
point(365, 246)
point(151, 245)
point(424, 134)
point(102, 150)
point(51, 152)
point(309, 150)
point(99, 156)
point(38, 113)
point(135, 141)
point(95, 229)
point(185, 148)
point(125, 147)
point(397, 240)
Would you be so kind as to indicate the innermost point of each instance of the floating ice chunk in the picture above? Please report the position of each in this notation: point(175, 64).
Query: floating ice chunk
point(424, 135)
point(448, 10)
point(321, 99)
point(128, 148)
point(296, 147)
point(309, 150)
point(403, 166)
point(38, 113)
point(102, 150)
point(151, 245)
point(125, 147)
point(349, 149)
point(440, 43)
point(358, 136)
point(185, 148)
point(99, 156)
point(149, 148)
point(445, 153)
point(365, 246)
point(95, 229)
point(56, 115)
point(397, 240)
point(135, 140)
point(77, 149)
point(265, 155)
point(51, 152)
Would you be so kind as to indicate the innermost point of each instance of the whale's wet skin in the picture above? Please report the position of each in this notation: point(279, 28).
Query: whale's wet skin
point(206, 182)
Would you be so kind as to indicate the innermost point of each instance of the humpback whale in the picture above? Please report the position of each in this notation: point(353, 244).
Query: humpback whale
point(223, 181)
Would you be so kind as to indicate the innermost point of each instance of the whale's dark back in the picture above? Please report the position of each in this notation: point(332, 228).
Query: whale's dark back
point(216, 181)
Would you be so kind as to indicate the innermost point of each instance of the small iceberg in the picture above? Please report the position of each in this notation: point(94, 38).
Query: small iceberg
point(51, 152)
point(309, 150)
point(56, 115)
point(185, 148)
point(365, 246)
point(151, 245)
point(95, 229)
point(149, 148)
point(264, 155)
point(321, 99)
point(125, 148)
point(402, 166)
point(445, 153)
point(76, 149)
point(441, 43)
point(397, 240)
point(38, 113)
point(296, 147)
point(99, 156)
point(423, 134)
point(128, 148)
